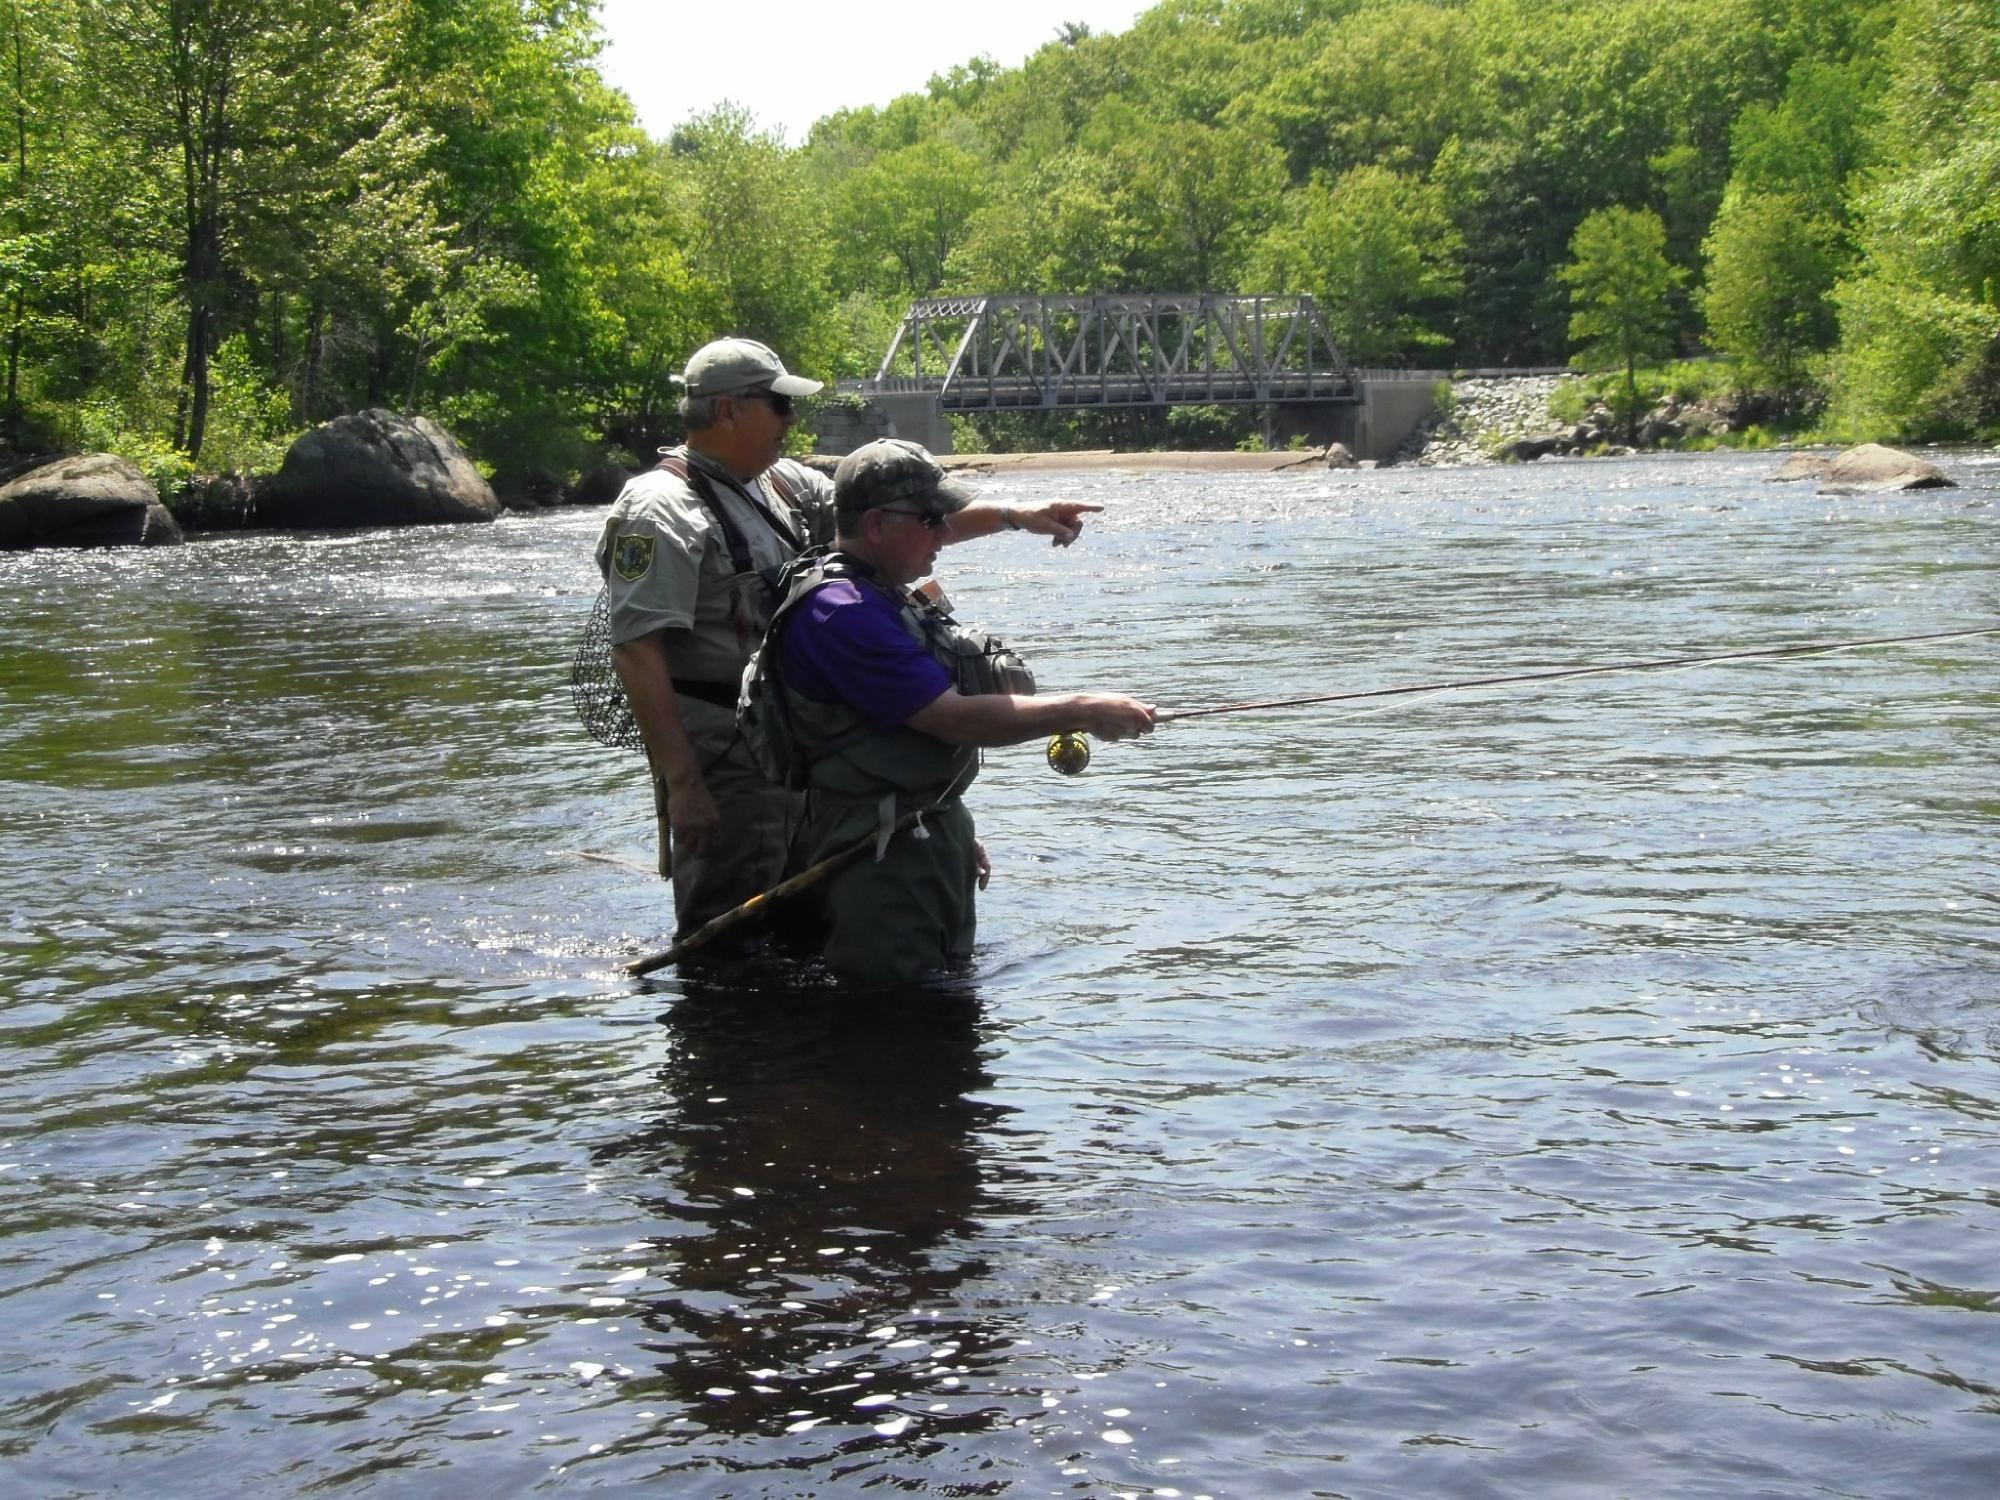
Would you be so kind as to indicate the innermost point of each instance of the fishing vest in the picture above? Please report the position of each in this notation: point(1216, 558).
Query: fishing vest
point(750, 595)
point(829, 747)
point(702, 483)
point(710, 663)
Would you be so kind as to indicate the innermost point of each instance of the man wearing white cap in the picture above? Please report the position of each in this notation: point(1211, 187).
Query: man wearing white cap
point(691, 554)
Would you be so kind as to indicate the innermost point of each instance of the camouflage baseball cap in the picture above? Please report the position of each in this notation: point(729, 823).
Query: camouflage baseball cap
point(889, 471)
point(740, 365)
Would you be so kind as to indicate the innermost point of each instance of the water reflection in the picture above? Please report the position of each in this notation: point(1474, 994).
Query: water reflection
point(1589, 1091)
point(818, 1155)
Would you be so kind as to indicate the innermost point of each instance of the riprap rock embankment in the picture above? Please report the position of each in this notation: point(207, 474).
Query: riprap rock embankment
point(1486, 412)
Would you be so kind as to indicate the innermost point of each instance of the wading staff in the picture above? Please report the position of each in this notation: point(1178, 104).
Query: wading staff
point(1809, 649)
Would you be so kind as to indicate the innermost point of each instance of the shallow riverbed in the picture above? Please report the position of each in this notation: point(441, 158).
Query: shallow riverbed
point(1571, 1089)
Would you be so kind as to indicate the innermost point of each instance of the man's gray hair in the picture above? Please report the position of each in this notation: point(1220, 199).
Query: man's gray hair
point(698, 412)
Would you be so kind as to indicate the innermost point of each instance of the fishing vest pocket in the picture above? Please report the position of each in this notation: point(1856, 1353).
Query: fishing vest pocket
point(978, 662)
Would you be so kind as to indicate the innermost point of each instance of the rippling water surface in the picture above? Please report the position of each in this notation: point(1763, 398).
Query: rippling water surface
point(1577, 1089)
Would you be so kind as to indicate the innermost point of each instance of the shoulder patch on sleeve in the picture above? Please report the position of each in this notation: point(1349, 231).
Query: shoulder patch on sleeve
point(632, 556)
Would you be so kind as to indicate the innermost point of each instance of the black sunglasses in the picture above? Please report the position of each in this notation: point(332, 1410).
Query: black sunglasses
point(931, 519)
point(781, 404)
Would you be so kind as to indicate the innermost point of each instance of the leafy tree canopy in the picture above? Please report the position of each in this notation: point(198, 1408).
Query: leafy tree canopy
point(221, 220)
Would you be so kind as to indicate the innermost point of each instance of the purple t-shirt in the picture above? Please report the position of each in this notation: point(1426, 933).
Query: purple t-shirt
point(847, 644)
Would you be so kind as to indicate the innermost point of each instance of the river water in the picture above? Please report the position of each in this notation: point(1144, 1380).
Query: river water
point(1576, 1089)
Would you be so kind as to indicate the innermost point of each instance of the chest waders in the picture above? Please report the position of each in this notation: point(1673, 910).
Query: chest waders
point(907, 912)
point(597, 693)
point(769, 581)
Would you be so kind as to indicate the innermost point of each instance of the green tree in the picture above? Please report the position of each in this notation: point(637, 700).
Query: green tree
point(248, 110)
point(81, 286)
point(899, 219)
point(1920, 315)
point(1379, 252)
point(1197, 196)
point(204, 203)
point(1809, 144)
point(641, 223)
point(760, 252)
point(1621, 289)
point(1052, 225)
point(22, 249)
point(1768, 301)
point(518, 330)
point(1387, 87)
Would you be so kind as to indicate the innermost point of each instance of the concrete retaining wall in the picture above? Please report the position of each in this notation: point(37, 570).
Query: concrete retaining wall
point(839, 428)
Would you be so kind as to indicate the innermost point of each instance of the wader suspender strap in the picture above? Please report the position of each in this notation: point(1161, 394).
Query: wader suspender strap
point(739, 549)
point(793, 596)
point(732, 534)
point(834, 566)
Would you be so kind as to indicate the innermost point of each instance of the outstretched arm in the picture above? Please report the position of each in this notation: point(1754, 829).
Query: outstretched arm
point(1004, 719)
point(1061, 521)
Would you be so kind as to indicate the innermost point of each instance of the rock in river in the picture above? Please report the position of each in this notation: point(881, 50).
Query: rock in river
point(1800, 466)
point(1871, 469)
point(89, 500)
point(376, 468)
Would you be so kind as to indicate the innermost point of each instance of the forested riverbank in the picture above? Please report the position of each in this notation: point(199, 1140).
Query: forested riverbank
point(224, 222)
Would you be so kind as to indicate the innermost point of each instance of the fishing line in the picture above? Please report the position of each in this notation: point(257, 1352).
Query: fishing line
point(1810, 648)
point(1070, 753)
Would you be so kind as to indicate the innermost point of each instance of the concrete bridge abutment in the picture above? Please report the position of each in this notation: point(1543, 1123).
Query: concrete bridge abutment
point(1390, 408)
point(844, 425)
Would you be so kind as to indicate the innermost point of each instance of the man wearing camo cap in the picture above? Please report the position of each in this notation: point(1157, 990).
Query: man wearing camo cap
point(886, 702)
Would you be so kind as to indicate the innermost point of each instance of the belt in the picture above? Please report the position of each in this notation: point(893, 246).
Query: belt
point(721, 694)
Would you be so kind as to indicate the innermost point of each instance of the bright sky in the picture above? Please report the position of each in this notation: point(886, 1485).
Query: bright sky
point(790, 63)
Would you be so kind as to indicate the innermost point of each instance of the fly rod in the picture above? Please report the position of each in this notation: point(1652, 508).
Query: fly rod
point(1070, 753)
point(759, 904)
point(1809, 649)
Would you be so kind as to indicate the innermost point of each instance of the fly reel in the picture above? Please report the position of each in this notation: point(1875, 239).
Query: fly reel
point(1069, 753)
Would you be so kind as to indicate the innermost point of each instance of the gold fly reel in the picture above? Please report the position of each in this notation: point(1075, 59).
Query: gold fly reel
point(1069, 753)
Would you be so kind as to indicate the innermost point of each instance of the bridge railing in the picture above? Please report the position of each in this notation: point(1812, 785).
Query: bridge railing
point(1220, 387)
point(1490, 372)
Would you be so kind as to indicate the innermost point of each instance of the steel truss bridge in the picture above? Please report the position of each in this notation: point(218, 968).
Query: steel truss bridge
point(1114, 350)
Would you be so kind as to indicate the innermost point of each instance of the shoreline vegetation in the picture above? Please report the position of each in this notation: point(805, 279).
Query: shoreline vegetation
point(1744, 222)
point(377, 468)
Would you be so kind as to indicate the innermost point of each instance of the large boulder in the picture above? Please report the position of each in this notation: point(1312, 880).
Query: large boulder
point(90, 500)
point(600, 484)
point(1534, 446)
point(375, 468)
point(1800, 466)
point(1873, 469)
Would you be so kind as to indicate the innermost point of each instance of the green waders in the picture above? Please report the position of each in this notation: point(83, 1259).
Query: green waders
point(908, 915)
point(758, 822)
point(902, 911)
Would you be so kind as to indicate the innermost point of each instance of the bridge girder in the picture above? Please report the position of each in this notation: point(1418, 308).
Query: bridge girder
point(1113, 349)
